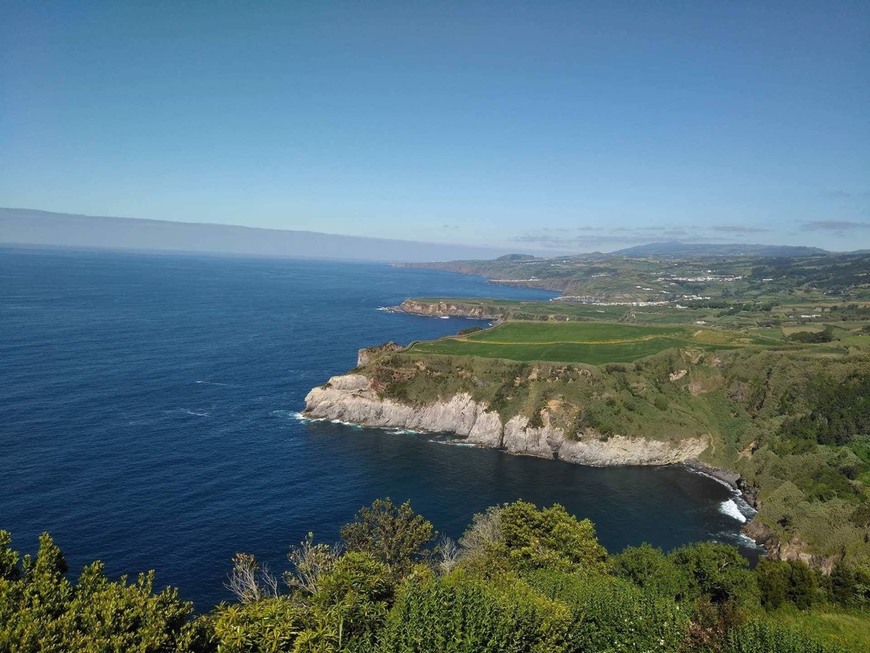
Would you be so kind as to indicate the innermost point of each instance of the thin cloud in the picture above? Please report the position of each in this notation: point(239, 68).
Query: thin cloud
point(739, 229)
point(840, 194)
point(834, 225)
point(555, 241)
point(596, 237)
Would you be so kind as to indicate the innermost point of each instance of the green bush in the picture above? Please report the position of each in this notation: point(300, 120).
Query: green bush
point(40, 610)
point(612, 614)
point(550, 538)
point(787, 581)
point(717, 572)
point(651, 570)
point(465, 615)
point(757, 637)
point(391, 534)
point(269, 625)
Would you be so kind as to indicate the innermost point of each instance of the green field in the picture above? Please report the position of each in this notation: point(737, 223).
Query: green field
point(594, 343)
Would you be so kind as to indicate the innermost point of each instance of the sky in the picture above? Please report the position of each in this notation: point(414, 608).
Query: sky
point(548, 126)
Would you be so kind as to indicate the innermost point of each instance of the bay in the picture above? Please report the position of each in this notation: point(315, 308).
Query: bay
point(149, 418)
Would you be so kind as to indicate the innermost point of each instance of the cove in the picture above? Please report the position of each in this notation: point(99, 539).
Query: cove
point(150, 418)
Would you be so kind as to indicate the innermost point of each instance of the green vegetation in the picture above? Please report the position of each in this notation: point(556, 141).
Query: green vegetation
point(791, 421)
point(594, 343)
point(748, 279)
point(767, 356)
point(520, 579)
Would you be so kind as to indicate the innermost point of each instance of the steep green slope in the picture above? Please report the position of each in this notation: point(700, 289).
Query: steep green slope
point(794, 423)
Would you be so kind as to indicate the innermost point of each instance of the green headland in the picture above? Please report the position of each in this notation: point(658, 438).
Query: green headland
point(768, 357)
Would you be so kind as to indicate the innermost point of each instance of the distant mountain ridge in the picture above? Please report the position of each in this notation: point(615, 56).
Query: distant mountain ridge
point(33, 227)
point(679, 249)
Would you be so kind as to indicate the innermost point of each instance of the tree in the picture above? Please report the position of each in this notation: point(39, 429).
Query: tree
point(310, 562)
point(248, 581)
point(40, 610)
point(717, 572)
point(8, 558)
point(393, 535)
point(550, 538)
point(650, 569)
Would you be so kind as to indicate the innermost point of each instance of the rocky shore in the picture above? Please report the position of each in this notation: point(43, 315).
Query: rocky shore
point(446, 309)
point(351, 398)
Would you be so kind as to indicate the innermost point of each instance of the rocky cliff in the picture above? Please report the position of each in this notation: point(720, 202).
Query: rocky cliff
point(351, 398)
point(448, 309)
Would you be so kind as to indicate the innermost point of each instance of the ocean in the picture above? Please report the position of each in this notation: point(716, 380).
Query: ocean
point(149, 417)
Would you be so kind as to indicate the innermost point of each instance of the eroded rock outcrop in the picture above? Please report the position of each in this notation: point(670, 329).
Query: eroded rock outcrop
point(351, 398)
point(447, 309)
point(367, 354)
point(791, 549)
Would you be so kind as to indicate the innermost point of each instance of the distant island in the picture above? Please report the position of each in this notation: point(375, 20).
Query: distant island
point(44, 228)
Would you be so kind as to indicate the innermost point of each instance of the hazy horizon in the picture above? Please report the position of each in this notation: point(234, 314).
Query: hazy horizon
point(557, 126)
point(52, 229)
point(28, 227)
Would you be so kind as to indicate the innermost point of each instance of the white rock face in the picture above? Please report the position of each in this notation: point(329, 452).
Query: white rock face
point(520, 438)
point(350, 398)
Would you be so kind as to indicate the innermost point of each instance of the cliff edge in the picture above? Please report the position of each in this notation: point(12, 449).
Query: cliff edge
point(352, 398)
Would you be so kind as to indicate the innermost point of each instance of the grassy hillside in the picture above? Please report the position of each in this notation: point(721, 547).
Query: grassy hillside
point(584, 342)
point(793, 421)
point(615, 278)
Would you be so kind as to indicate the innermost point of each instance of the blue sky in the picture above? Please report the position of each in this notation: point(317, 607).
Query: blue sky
point(534, 125)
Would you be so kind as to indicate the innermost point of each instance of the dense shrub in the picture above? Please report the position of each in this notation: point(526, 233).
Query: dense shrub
point(391, 534)
point(717, 572)
point(523, 580)
point(265, 626)
point(40, 610)
point(811, 336)
point(650, 569)
point(787, 581)
point(550, 538)
point(611, 614)
point(839, 411)
point(770, 638)
point(468, 615)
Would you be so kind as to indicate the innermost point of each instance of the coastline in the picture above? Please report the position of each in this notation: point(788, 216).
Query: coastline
point(349, 399)
point(352, 398)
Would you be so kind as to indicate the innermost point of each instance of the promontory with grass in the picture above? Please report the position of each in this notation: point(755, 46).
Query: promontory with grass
point(752, 367)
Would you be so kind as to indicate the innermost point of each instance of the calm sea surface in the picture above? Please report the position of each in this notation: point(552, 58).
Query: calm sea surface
point(148, 417)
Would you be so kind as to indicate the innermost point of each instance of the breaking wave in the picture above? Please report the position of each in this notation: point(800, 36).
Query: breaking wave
point(730, 508)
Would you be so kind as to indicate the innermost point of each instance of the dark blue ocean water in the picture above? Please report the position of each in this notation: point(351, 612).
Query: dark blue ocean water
point(147, 417)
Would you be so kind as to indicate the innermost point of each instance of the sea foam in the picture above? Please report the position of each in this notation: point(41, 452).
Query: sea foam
point(731, 509)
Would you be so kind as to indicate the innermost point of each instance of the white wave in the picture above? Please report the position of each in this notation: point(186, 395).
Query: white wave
point(453, 443)
point(701, 472)
point(332, 421)
point(212, 383)
point(305, 419)
point(736, 538)
point(747, 510)
point(404, 432)
point(292, 414)
point(748, 541)
point(194, 413)
point(730, 508)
